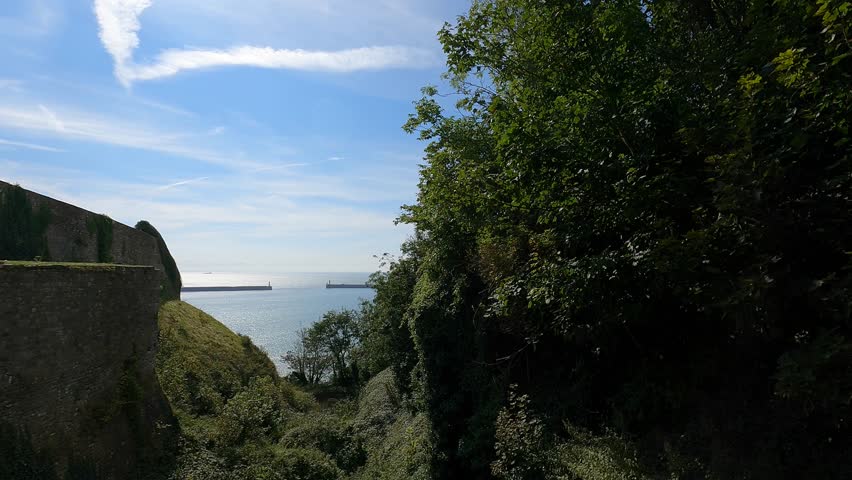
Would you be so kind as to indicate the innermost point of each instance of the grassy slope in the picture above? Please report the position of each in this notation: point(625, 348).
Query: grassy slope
point(203, 340)
point(201, 364)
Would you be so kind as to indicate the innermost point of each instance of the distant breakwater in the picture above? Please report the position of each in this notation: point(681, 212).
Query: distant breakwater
point(346, 285)
point(226, 289)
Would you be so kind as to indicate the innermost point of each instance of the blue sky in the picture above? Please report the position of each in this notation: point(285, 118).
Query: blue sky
point(256, 135)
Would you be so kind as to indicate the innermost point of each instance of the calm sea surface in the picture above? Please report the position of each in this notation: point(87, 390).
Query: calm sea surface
point(271, 317)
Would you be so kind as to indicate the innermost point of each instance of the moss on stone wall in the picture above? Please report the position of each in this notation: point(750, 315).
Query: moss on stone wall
point(22, 229)
point(91, 396)
point(101, 227)
point(20, 459)
point(126, 399)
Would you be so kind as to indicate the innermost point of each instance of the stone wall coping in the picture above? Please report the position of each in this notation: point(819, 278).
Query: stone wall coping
point(8, 264)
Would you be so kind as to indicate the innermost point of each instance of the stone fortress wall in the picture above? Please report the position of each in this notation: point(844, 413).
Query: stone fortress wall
point(70, 237)
point(77, 347)
point(78, 341)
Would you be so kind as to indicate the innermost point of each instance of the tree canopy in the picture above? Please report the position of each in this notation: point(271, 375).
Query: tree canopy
point(640, 219)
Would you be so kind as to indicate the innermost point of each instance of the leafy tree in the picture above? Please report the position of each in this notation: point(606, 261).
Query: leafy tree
point(308, 358)
point(641, 217)
point(385, 337)
point(337, 334)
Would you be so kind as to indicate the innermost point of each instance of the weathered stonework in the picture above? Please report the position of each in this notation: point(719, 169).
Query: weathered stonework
point(77, 347)
point(70, 237)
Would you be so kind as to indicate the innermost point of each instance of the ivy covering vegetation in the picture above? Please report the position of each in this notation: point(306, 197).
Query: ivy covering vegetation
point(171, 290)
point(633, 245)
point(22, 229)
point(101, 227)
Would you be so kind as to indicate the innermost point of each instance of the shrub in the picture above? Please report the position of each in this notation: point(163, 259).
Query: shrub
point(331, 434)
point(295, 464)
point(254, 413)
point(520, 441)
point(198, 463)
point(588, 457)
point(398, 443)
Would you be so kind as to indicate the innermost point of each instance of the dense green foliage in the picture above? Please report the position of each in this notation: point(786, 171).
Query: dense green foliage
point(239, 420)
point(307, 358)
point(384, 331)
point(641, 219)
point(398, 441)
point(171, 290)
point(101, 227)
point(329, 345)
point(22, 230)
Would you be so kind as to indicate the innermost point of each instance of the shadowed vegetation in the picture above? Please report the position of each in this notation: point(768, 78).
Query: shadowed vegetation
point(22, 229)
point(171, 290)
point(632, 254)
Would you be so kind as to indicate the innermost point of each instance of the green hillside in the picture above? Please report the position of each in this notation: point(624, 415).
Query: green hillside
point(238, 419)
point(201, 363)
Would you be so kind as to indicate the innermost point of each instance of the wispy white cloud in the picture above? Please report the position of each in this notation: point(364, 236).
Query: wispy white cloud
point(30, 146)
point(282, 230)
point(104, 93)
point(71, 124)
point(52, 119)
point(183, 182)
point(119, 25)
point(172, 62)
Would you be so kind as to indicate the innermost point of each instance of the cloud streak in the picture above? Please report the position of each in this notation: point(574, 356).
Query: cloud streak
point(172, 62)
point(30, 146)
point(82, 126)
point(183, 182)
point(119, 26)
point(52, 119)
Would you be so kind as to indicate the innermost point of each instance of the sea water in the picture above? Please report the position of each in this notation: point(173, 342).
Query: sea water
point(272, 317)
